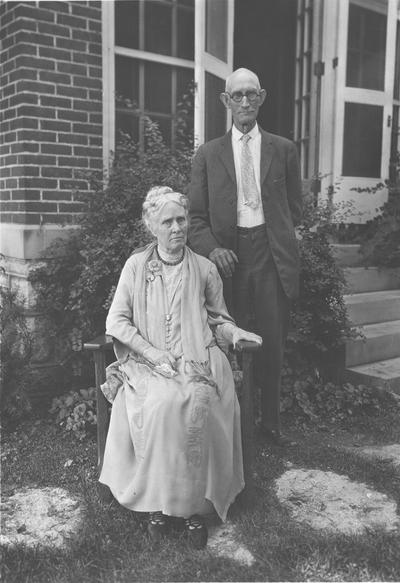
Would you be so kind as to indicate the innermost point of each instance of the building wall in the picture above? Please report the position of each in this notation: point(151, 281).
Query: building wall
point(51, 124)
point(51, 128)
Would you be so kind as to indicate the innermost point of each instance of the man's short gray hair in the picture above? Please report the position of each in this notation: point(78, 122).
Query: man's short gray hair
point(156, 198)
point(242, 70)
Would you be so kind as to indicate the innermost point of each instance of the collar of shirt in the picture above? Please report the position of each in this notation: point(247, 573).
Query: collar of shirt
point(237, 134)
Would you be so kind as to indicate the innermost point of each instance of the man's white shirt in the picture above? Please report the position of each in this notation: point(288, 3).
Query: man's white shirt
point(246, 216)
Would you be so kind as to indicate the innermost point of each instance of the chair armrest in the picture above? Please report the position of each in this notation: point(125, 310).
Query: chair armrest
point(247, 346)
point(102, 342)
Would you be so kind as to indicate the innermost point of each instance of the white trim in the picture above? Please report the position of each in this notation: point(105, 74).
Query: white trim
point(155, 57)
point(329, 95)
point(207, 62)
point(343, 21)
point(107, 10)
point(368, 96)
point(375, 5)
point(199, 74)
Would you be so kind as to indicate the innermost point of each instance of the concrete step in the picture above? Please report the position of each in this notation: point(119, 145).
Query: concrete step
point(373, 307)
point(383, 374)
point(369, 279)
point(381, 341)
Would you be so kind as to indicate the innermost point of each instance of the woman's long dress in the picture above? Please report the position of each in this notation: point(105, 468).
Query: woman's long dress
point(174, 443)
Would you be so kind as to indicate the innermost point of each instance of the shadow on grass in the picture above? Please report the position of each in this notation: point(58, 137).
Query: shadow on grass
point(113, 546)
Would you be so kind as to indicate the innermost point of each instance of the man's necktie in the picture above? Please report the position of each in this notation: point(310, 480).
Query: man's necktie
point(249, 184)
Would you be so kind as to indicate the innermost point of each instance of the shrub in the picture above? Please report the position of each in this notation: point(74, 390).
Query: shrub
point(76, 284)
point(16, 350)
point(76, 411)
point(320, 325)
point(309, 396)
point(382, 246)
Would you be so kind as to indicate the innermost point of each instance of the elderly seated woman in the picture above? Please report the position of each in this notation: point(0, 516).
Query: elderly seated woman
point(173, 446)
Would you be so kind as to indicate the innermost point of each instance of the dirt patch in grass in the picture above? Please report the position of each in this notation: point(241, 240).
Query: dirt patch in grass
point(40, 517)
point(326, 500)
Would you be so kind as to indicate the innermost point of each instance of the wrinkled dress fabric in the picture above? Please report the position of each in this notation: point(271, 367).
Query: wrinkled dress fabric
point(174, 444)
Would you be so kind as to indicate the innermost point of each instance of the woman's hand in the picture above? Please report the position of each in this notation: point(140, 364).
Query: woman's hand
point(158, 357)
point(239, 334)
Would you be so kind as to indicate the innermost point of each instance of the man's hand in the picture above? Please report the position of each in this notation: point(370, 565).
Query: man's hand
point(224, 259)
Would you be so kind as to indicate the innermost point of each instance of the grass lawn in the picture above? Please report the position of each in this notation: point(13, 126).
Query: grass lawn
point(113, 546)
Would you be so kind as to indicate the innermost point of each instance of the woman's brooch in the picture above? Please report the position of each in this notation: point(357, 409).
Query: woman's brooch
point(154, 268)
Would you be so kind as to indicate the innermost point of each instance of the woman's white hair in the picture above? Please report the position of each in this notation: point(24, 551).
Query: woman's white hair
point(156, 198)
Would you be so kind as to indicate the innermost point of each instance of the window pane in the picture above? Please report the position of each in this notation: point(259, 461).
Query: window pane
point(185, 79)
point(366, 48)
point(216, 28)
point(158, 27)
point(362, 147)
point(215, 122)
point(185, 40)
point(394, 168)
point(127, 124)
point(397, 69)
point(127, 24)
point(126, 80)
point(164, 124)
point(157, 93)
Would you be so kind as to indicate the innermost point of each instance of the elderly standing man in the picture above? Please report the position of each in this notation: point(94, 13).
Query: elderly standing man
point(245, 201)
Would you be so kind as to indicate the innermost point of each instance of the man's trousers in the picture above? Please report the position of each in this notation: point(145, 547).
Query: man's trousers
point(261, 305)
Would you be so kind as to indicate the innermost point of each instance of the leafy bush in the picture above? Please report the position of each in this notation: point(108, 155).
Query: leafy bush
point(309, 396)
point(16, 350)
point(320, 325)
point(76, 411)
point(382, 246)
point(75, 286)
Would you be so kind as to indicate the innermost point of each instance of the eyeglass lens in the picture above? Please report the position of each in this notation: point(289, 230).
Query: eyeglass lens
point(250, 95)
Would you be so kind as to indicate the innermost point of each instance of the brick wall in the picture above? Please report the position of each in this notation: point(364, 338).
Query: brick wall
point(51, 108)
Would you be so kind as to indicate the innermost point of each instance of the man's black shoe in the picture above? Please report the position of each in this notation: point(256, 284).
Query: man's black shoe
point(275, 438)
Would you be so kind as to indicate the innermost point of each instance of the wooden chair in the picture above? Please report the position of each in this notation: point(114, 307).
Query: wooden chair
point(102, 348)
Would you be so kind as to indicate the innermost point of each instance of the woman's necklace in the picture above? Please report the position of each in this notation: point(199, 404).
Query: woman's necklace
point(171, 263)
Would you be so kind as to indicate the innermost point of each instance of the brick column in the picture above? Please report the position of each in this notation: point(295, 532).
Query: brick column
point(51, 123)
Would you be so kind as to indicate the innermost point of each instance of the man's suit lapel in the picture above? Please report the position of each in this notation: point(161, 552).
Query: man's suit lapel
point(226, 155)
point(266, 155)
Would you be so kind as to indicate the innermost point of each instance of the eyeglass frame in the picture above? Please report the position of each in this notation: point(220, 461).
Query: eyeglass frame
point(250, 100)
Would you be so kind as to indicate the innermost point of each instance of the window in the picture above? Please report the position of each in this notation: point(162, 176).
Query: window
point(215, 116)
point(303, 82)
point(216, 30)
point(366, 48)
point(165, 27)
point(394, 166)
point(154, 65)
point(362, 149)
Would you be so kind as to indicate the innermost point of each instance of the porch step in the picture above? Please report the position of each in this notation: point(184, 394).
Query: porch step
point(381, 341)
point(373, 307)
point(383, 374)
point(369, 279)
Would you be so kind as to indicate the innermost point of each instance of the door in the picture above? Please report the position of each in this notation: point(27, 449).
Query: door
point(365, 100)
point(213, 63)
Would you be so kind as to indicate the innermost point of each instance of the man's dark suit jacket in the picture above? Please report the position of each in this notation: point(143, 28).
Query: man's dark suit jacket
point(213, 201)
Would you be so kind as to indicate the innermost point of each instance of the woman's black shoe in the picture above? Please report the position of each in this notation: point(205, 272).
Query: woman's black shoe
point(197, 531)
point(157, 526)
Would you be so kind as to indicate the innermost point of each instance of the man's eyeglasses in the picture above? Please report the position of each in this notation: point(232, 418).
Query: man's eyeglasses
point(237, 97)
